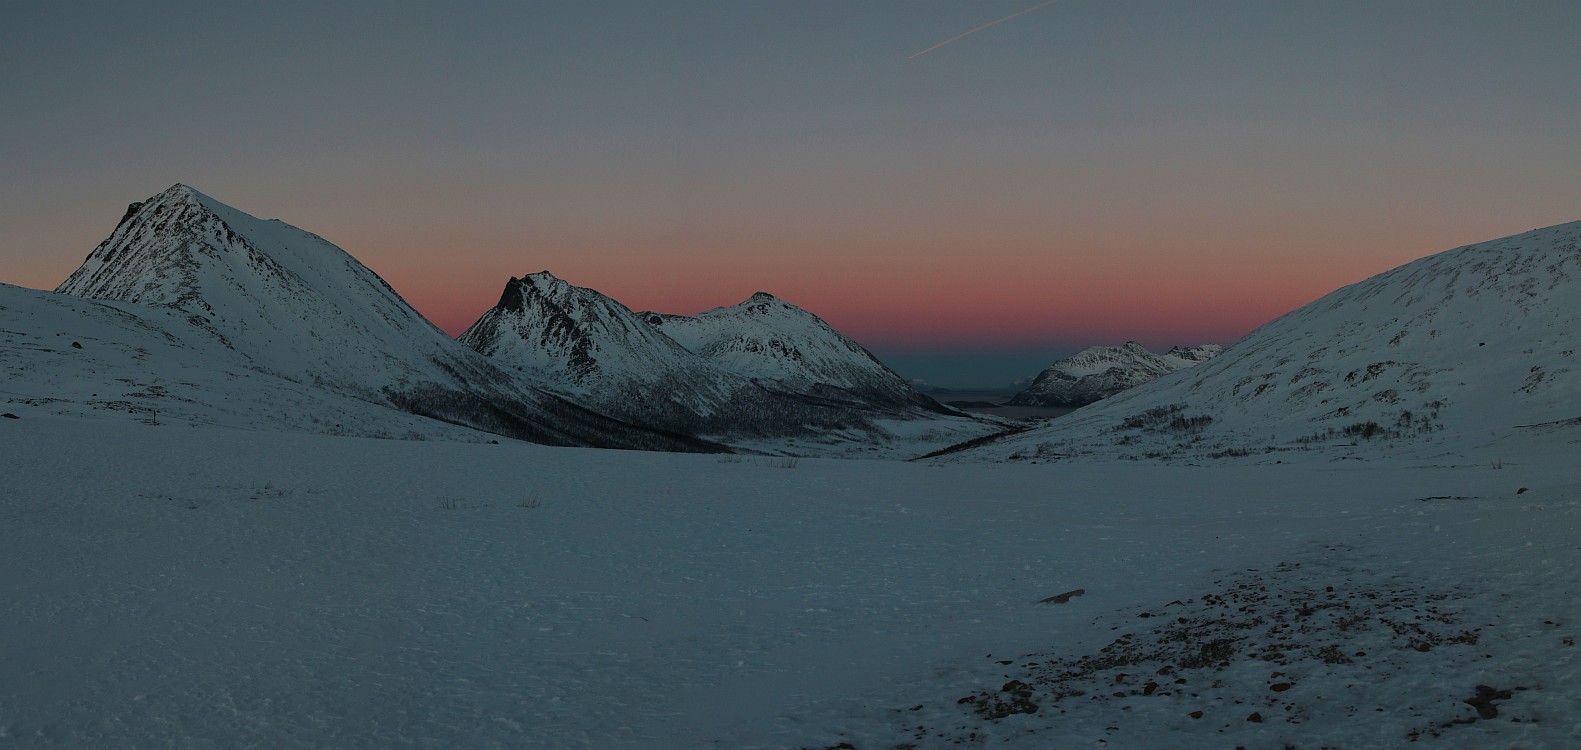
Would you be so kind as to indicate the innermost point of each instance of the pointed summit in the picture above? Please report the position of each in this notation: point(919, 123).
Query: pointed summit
point(535, 285)
point(278, 294)
point(597, 351)
point(568, 334)
point(762, 369)
point(298, 307)
point(178, 193)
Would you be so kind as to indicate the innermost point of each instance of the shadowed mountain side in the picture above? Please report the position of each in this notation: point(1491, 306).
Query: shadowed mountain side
point(598, 352)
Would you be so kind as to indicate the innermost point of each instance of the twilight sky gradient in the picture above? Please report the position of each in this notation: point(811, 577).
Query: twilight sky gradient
point(1091, 172)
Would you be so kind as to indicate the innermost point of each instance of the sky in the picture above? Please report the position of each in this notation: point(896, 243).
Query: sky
point(1089, 172)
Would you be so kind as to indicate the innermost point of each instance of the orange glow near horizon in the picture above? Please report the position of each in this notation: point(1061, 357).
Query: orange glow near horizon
point(952, 280)
point(1084, 174)
point(1099, 297)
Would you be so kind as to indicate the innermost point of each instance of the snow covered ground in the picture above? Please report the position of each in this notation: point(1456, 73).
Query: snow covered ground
point(208, 587)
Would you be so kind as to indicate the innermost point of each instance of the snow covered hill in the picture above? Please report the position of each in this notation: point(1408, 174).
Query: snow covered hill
point(1456, 350)
point(790, 350)
point(599, 353)
point(1099, 372)
point(121, 362)
point(592, 346)
point(295, 307)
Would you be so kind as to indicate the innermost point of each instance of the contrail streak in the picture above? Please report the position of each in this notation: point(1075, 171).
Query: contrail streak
point(990, 24)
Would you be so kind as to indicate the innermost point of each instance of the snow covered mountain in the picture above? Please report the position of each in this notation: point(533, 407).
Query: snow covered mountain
point(789, 350)
point(293, 306)
point(600, 353)
point(761, 385)
point(63, 356)
point(1464, 348)
point(1099, 372)
point(585, 342)
point(1186, 356)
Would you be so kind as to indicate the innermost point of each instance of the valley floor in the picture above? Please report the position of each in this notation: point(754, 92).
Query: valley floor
point(203, 587)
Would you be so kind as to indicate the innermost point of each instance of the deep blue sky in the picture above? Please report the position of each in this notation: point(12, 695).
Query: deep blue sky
point(1090, 172)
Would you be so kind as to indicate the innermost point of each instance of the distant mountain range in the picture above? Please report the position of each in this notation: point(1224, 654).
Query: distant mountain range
point(195, 312)
point(272, 325)
point(759, 369)
point(1464, 347)
point(1099, 372)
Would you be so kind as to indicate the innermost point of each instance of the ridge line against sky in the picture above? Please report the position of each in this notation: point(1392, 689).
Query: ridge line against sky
point(1092, 173)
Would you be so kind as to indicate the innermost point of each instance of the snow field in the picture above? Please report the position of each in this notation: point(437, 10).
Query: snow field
point(206, 587)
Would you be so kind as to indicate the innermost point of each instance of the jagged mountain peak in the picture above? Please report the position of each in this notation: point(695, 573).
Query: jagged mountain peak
point(177, 196)
point(179, 193)
point(544, 286)
point(573, 337)
point(1199, 353)
point(294, 306)
point(543, 278)
point(732, 372)
point(281, 295)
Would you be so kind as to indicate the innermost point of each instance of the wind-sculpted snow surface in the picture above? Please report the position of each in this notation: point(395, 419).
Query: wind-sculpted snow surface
point(1099, 372)
point(169, 585)
point(1458, 349)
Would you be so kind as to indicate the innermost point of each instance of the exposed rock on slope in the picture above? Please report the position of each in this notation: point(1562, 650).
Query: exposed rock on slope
point(588, 344)
point(1099, 372)
point(758, 376)
point(1455, 348)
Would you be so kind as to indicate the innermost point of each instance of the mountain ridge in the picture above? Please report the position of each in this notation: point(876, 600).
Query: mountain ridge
point(1457, 348)
point(298, 307)
point(1099, 372)
point(759, 370)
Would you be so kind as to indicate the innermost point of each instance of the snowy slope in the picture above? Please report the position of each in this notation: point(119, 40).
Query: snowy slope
point(199, 587)
point(299, 308)
point(1099, 372)
point(1448, 352)
point(599, 353)
point(788, 349)
point(62, 355)
point(292, 302)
